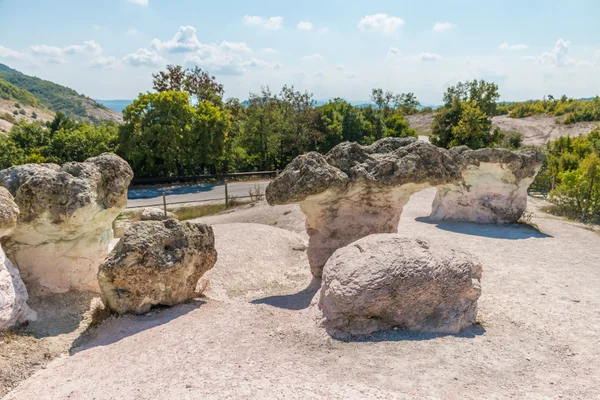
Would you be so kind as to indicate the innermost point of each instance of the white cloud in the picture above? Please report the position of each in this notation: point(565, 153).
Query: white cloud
point(235, 47)
point(185, 40)
point(138, 2)
point(56, 55)
point(132, 32)
point(268, 51)
point(271, 24)
point(513, 47)
point(443, 26)
point(314, 57)
point(103, 63)
point(143, 58)
point(380, 23)
point(393, 52)
point(9, 54)
point(429, 57)
point(323, 30)
point(304, 26)
point(558, 57)
point(340, 67)
point(257, 63)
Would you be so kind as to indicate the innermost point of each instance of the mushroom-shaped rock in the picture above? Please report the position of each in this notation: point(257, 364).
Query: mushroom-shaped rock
point(156, 263)
point(493, 187)
point(156, 214)
point(13, 294)
point(386, 281)
point(65, 227)
point(355, 191)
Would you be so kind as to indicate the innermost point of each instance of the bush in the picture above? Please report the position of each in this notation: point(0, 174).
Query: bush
point(17, 105)
point(22, 112)
point(34, 115)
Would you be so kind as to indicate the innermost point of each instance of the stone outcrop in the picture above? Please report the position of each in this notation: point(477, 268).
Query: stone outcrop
point(156, 263)
point(493, 186)
point(355, 191)
point(65, 226)
point(156, 214)
point(388, 281)
point(13, 294)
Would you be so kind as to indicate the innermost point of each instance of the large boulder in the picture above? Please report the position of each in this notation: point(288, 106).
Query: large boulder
point(65, 227)
point(13, 294)
point(389, 281)
point(493, 186)
point(355, 191)
point(156, 263)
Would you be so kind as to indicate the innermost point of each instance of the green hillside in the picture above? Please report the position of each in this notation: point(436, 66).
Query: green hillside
point(51, 95)
point(8, 91)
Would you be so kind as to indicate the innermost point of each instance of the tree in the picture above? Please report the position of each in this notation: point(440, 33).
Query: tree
point(396, 126)
point(198, 84)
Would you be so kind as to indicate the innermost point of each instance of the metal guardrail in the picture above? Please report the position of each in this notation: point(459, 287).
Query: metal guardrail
point(195, 178)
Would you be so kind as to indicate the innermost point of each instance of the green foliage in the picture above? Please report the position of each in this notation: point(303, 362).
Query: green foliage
point(573, 172)
point(9, 91)
point(164, 135)
point(61, 141)
point(570, 110)
point(8, 117)
point(49, 94)
point(465, 118)
point(388, 102)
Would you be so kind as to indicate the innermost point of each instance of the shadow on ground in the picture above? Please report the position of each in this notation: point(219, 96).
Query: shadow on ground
point(296, 301)
point(58, 314)
point(509, 232)
point(410, 336)
point(117, 328)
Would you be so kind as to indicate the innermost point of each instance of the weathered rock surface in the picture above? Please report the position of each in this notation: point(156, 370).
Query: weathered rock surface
point(13, 294)
point(386, 281)
point(65, 226)
point(156, 214)
point(156, 263)
point(355, 191)
point(493, 188)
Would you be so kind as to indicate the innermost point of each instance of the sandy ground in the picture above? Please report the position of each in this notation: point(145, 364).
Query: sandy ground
point(539, 336)
point(536, 130)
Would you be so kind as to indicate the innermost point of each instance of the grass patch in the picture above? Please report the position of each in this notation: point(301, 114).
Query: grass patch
point(191, 212)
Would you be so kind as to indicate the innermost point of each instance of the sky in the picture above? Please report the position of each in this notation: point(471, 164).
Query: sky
point(332, 48)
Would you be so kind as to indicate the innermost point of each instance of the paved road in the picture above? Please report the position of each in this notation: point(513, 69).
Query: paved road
point(183, 194)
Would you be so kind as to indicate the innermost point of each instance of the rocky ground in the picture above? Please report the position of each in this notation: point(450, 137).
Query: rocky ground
point(536, 130)
point(538, 335)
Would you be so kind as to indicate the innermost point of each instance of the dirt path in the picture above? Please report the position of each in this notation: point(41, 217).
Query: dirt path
point(539, 336)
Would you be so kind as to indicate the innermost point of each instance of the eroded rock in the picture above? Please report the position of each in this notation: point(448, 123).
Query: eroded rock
point(156, 263)
point(355, 191)
point(493, 188)
point(156, 214)
point(65, 227)
point(386, 281)
point(13, 294)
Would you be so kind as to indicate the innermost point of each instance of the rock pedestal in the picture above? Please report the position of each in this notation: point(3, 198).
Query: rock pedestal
point(389, 281)
point(65, 227)
point(156, 263)
point(13, 294)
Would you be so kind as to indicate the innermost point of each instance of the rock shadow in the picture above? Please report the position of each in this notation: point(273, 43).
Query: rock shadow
point(296, 301)
point(508, 232)
point(409, 336)
point(116, 328)
point(58, 313)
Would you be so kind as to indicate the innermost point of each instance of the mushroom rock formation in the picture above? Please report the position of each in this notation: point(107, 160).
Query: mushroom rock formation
point(156, 263)
point(65, 227)
point(13, 294)
point(355, 191)
point(493, 186)
point(388, 281)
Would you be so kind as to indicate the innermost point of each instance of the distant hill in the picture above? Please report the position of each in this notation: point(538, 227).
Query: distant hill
point(115, 105)
point(54, 97)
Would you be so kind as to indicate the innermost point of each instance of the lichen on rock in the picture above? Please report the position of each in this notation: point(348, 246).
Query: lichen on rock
point(65, 227)
point(156, 263)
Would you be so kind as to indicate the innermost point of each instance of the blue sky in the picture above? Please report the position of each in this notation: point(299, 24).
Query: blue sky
point(109, 49)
